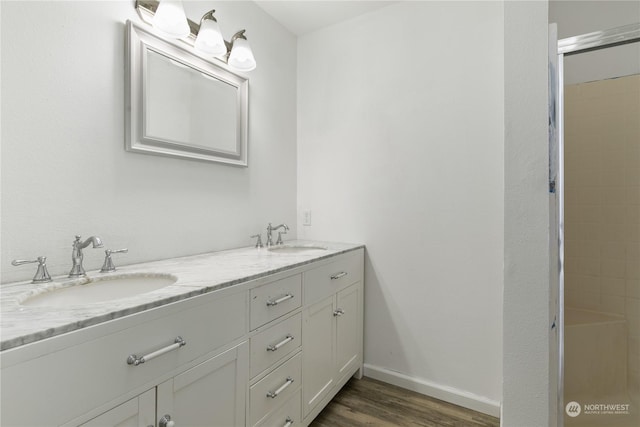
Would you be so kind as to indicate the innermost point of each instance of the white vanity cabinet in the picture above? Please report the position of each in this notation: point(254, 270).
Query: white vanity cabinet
point(276, 360)
point(319, 350)
point(136, 412)
point(349, 318)
point(332, 330)
point(266, 352)
point(72, 378)
point(209, 394)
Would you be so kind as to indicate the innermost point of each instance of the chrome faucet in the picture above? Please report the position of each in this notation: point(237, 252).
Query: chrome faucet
point(270, 230)
point(76, 254)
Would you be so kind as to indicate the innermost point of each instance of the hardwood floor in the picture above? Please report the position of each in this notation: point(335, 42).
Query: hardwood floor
point(368, 402)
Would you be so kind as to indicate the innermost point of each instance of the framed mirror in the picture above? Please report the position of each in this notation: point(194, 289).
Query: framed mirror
point(179, 104)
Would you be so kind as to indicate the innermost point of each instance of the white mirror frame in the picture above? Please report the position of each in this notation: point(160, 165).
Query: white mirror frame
point(139, 39)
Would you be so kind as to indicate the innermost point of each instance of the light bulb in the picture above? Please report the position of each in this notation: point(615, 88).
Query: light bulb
point(241, 57)
point(209, 40)
point(170, 20)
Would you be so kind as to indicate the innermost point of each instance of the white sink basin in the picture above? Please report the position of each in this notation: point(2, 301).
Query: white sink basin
point(100, 289)
point(295, 249)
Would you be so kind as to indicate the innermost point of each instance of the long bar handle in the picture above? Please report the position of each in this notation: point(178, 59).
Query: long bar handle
point(137, 360)
point(274, 347)
point(339, 275)
point(271, 303)
point(17, 262)
point(288, 422)
point(274, 394)
point(117, 251)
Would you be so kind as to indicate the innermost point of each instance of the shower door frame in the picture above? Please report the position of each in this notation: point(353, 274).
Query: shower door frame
point(589, 42)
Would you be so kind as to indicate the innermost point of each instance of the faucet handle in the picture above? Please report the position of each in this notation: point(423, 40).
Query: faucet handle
point(118, 251)
point(108, 265)
point(279, 241)
point(259, 241)
point(42, 275)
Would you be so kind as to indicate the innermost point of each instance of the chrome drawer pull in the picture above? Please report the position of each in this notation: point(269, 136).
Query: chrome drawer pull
point(271, 303)
point(274, 347)
point(288, 422)
point(339, 275)
point(135, 360)
point(338, 312)
point(274, 394)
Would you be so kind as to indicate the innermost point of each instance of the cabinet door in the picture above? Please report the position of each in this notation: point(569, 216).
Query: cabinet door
point(349, 329)
point(137, 412)
point(318, 347)
point(212, 393)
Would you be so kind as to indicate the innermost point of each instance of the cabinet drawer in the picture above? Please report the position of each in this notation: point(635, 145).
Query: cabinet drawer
point(269, 393)
point(274, 343)
point(289, 415)
point(96, 372)
point(275, 299)
point(326, 280)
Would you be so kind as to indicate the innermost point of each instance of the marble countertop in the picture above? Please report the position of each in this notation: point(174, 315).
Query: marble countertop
point(198, 274)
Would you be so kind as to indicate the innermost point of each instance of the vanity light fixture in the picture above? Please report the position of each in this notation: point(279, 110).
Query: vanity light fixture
point(206, 38)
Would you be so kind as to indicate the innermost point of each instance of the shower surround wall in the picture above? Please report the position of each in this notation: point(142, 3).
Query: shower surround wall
point(602, 217)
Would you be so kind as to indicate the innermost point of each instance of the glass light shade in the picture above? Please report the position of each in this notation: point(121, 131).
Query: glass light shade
point(241, 57)
point(170, 20)
point(210, 39)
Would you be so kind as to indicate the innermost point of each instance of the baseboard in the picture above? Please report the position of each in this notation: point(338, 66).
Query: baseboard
point(448, 394)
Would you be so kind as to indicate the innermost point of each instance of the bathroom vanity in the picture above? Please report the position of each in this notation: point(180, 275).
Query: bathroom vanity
point(246, 337)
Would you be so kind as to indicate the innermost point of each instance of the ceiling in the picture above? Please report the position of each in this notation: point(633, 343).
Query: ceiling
point(304, 16)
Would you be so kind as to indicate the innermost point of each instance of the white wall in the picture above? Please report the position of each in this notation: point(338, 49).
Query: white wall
point(580, 17)
point(64, 167)
point(400, 146)
point(528, 393)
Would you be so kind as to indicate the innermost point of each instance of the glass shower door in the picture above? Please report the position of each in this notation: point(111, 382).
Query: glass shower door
point(601, 241)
